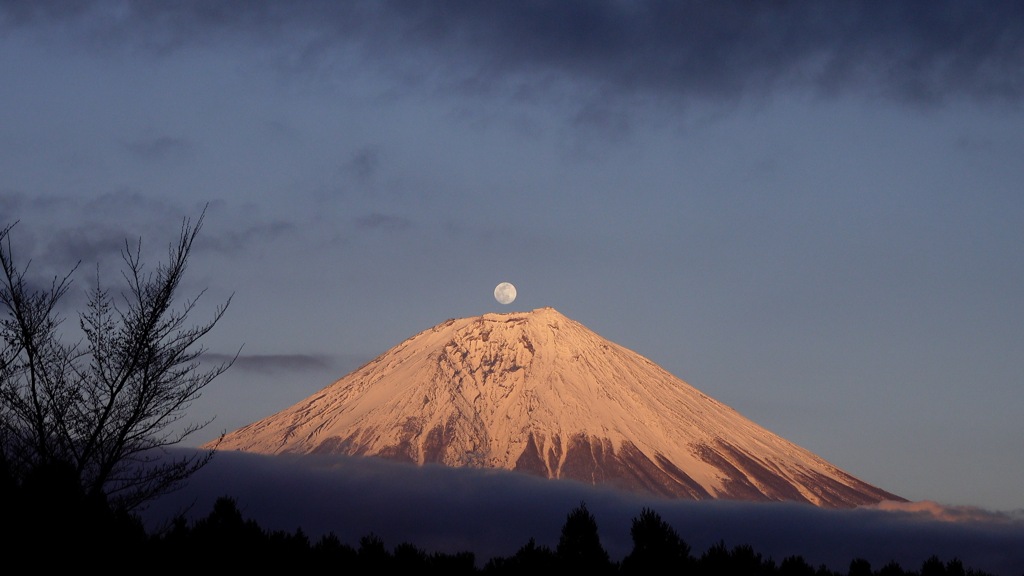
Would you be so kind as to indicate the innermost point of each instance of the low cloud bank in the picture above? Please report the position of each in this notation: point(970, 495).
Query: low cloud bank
point(494, 513)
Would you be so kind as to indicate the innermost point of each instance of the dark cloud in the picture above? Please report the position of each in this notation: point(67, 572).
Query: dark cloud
point(45, 251)
point(159, 148)
point(363, 164)
point(493, 513)
point(83, 239)
point(910, 51)
point(20, 206)
point(58, 232)
point(86, 244)
point(234, 240)
point(101, 227)
point(271, 363)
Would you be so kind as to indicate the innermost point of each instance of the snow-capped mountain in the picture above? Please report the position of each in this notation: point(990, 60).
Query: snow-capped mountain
point(540, 393)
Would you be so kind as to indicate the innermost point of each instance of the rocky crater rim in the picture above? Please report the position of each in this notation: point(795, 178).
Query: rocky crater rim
point(503, 316)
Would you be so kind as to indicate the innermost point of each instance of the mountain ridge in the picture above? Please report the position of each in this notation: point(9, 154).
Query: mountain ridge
point(540, 393)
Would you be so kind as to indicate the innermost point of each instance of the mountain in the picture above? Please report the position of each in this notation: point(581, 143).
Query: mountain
point(537, 392)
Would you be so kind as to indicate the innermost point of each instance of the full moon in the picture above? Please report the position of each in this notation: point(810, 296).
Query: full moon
point(505, 293)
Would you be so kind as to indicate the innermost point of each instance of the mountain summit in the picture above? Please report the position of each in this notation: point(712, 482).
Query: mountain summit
point(537, 392)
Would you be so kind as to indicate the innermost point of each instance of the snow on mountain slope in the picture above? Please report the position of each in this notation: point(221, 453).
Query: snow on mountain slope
point(539, 393)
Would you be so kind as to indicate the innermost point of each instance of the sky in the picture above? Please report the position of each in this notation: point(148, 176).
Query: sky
point(810, 211)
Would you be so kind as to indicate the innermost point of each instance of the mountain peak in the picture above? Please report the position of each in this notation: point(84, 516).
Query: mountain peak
point(540, 393)
point(543, 313)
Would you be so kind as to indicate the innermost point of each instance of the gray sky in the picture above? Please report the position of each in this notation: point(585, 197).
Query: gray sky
point(810, 211)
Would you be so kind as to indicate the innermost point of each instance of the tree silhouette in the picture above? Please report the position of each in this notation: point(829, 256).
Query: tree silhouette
point(330, 551)
point(408, 558)
point(955, 568)
point(452, 564)
point(795, 566)
point(226, 528)
point(530, 559)
point(657, 547)
point(579, 546)
point(741, 559)
point(933, 567)
point(892, 568)
point(106, 406)
point(372, 557)
point(859, 567)
point(48, 511)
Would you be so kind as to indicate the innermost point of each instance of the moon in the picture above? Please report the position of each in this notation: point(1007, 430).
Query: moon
point(505, 293)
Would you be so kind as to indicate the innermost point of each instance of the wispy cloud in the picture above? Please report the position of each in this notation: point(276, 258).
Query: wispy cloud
point(93, 237)
point(271, 363)
point(933, 510)
point(102, 224)
point(244, 235)
point(378, 221)
point(87, 244)
point(157, 148)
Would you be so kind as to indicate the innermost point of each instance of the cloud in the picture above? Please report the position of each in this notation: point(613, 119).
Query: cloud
point(56, 233)
point(917, 52)
point(271, 363)
point(364, 164)
point(159, 148)
point(56, 250)
point(378, 221)
point(86, 244)
point(494, 513)
point(912, 52)
point(101, 225)
point(936, 511)
point(245, 235)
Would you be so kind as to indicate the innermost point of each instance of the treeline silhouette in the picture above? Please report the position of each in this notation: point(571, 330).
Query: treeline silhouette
point(49, 519)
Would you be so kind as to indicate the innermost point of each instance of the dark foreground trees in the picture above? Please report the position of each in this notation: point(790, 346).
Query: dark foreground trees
point(55, 526)
point(101, 410)
point(226, 540)
point(579, 546)
point(657, 547)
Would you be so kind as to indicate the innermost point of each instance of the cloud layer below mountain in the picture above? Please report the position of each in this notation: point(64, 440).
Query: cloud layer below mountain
point(494, 513)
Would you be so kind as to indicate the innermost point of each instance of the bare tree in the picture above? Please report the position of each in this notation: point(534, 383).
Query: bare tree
point(109, 405)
